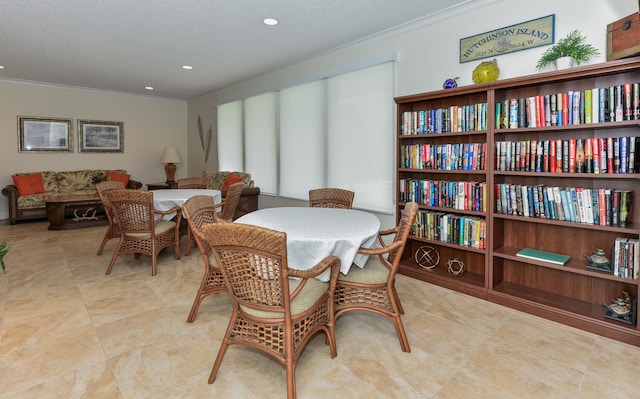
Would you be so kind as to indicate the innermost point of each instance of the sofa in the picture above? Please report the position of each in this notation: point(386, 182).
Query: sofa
point(27, 206)
point(249, 196)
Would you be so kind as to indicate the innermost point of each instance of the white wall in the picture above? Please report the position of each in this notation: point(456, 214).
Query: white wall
point(428, 55)
point(150, 124)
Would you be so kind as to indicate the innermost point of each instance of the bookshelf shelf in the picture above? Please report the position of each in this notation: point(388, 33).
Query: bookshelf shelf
point(571, 294)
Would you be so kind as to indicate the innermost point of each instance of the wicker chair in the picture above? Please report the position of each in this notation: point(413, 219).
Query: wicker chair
point(331, 198)
point(113, 231)
point(193, 182)
point(372, 288)
point(271, 312)
point(142, 228)
point(230, 202)
point(198, 211)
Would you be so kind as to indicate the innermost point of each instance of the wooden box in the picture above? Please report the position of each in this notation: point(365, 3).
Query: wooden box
point(623, 37)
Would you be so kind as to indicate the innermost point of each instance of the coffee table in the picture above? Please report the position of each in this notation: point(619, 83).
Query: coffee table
point(74, 211)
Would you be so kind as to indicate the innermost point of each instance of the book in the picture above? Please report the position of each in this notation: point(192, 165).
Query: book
point(543, 256)
point(626, 208)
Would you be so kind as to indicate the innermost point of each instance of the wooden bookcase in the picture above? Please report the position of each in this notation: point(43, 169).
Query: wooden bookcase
point(571, 293)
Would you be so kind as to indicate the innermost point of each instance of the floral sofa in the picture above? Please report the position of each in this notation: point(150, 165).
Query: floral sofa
point(249, 197)
point(32, 206)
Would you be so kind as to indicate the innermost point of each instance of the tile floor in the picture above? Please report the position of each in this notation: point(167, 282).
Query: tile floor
point(69, 331)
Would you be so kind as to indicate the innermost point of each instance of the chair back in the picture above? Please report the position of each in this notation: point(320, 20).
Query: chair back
point(198, 211)
point(404, 227)
point(331, 198)
point(133, 209)
point(253, 261)
point(106, 186)
point(193, 182)
point(231, 201)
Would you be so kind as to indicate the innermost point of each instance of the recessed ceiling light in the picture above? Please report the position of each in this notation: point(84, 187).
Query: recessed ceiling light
point(187, 67)
point(270, 21)
point(148, 87)
point(1, 66)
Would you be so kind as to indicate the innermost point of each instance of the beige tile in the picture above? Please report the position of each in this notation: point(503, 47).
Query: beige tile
point(150, 368)
point(547, 339)
point(94, 381)
point(113, 298)
point(69, 330)
point(525, 375)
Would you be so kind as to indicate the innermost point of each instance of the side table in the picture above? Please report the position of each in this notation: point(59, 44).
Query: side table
point(161, 186)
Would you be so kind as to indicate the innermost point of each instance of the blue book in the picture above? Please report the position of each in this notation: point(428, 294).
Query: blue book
point(543, 256)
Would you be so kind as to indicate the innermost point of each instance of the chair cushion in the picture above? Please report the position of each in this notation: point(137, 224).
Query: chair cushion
point(374, 272)
point(29, 184)
point(161, 227)
point(309, 295)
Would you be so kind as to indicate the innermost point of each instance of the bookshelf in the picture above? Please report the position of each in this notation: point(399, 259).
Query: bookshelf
point(452, 159)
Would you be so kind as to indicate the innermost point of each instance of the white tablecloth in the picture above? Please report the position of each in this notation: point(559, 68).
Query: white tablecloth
point(166, 199)
point(315, 233)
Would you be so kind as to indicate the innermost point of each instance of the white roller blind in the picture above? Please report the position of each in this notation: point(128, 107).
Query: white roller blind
point(360, 137)
point(260, 124)
point(230, 143)
point(302, 144)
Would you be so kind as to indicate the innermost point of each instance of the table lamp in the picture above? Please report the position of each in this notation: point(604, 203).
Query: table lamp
point(170, 158)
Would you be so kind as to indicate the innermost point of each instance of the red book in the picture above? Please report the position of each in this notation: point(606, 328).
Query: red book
point(602, 207)
point(610, 155)
point(541, 111)
point(552, 156)
point(572, 156)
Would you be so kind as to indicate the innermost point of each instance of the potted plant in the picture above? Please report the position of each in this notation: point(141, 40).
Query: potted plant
point(573, 45)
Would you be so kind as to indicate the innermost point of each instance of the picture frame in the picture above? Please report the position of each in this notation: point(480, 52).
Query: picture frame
point(44, 134)
point(100, 136)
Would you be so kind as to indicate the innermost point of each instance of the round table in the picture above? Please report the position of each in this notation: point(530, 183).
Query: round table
point(164, 200)
point(315, 233)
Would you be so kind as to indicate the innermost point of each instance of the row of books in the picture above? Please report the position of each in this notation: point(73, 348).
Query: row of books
point(467, 231)
point(604, 206)
point(462, 195)
point(456, 118)
point(459, 156)
point(604, 104)
point(626, 260)
point(590, 155)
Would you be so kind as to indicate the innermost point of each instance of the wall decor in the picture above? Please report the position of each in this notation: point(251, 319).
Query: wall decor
point(100, 136)
point(522, 36)
point(205, 141)
point(43, 134)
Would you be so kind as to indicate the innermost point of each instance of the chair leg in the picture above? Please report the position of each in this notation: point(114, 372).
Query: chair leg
point(187, 251)
point(218, 362)
point(396, 298)
point(102, 245)
point(402, 335)
point(291, 380)
point(113, 261)
point(195, 306)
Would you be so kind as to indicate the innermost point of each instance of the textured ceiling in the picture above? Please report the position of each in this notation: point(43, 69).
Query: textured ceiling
point(124, 45)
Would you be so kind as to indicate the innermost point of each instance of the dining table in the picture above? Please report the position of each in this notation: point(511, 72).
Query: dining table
point(315, 233)
point(166, 199)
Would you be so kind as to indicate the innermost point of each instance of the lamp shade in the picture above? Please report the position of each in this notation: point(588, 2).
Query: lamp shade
point(170, 155)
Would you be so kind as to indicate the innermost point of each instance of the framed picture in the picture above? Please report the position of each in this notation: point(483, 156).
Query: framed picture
point(41, 134)
point(100, 136)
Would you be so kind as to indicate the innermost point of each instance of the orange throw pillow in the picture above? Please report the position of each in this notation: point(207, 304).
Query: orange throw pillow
point(231, 179)
point(29, 184)
point(124, 178)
